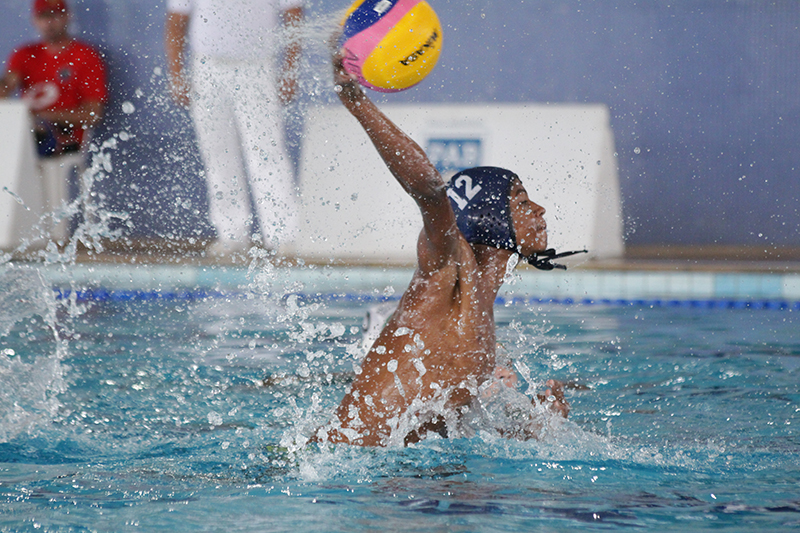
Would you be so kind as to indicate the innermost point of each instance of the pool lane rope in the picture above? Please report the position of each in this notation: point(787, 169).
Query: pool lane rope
point(188, 295)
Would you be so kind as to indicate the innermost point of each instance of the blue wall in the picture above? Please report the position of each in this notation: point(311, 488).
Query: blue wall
point(704, 95)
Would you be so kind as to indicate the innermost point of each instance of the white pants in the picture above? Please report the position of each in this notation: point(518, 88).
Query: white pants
point(240, 128)
point(55, 172)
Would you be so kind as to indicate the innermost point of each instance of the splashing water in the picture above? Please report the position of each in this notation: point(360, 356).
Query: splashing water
point(97, 221)
point(31, 383)
point(173, 411)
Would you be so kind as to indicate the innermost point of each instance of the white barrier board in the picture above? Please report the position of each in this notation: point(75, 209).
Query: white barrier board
point(354, 210)
point(20, 190)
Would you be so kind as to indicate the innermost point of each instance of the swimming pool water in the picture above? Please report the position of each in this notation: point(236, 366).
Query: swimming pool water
point(179, 414)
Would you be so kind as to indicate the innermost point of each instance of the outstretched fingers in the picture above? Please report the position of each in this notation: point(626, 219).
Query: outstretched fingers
point(345, 84)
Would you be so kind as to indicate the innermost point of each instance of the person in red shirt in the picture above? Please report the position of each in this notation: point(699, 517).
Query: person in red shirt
point(63, 81)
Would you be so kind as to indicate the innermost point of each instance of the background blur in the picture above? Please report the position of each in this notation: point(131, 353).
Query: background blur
point(704, 98)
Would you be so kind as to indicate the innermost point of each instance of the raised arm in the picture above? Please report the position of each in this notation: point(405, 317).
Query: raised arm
point(409, 164)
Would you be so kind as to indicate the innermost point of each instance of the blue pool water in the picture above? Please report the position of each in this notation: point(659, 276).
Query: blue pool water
point(125, 411)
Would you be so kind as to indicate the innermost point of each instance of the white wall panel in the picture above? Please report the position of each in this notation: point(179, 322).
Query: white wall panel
point(20, 190)
point(354, 210)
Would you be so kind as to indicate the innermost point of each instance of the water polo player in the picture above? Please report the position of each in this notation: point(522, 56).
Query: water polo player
point(438, 348)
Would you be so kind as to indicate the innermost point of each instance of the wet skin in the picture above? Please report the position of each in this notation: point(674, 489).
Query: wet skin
point(439, 345)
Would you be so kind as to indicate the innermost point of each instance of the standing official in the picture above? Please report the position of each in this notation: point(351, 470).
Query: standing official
point(243, 70)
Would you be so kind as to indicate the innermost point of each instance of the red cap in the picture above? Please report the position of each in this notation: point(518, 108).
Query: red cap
point(41, 7)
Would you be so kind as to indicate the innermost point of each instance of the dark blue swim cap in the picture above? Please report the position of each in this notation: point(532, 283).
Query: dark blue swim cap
point(481, 200)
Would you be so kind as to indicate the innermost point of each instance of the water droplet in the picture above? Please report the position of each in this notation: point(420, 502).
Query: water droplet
point(215, 419)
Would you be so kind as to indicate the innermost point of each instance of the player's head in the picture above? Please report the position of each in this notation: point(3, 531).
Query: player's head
point(492, 208)
point(480, 198)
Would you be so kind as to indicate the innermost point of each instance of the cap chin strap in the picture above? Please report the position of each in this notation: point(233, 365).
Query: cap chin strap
point(543, 260)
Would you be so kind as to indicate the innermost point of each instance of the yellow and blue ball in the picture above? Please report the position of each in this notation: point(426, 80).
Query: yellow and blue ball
point(390, 45)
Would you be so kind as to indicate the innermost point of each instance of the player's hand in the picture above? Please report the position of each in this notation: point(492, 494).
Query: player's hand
point(345, 84)
point(553, 398)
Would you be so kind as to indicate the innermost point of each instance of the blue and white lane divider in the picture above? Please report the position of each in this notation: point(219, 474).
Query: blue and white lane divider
point(140, 295)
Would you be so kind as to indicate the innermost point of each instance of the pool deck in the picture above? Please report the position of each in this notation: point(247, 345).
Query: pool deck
point(654, 275)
